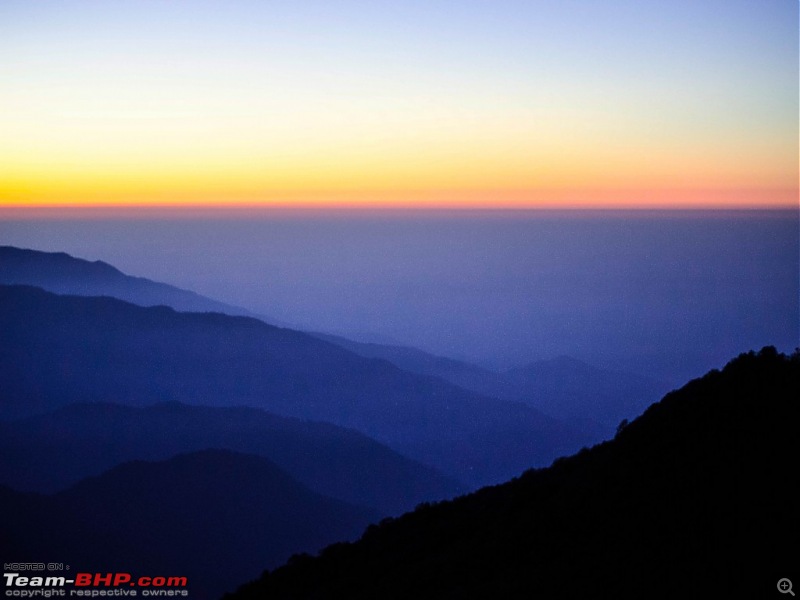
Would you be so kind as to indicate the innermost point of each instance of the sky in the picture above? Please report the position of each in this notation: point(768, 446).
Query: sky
point(567, 103)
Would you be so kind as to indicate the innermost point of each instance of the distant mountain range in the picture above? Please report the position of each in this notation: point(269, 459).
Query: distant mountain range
point(216, 517)
point(695, 498)
point(59, 350)
point(174, 434)
point(572, 390)
point(50, 452)
point(568, 389)
point(61, 273)
point(591, 400)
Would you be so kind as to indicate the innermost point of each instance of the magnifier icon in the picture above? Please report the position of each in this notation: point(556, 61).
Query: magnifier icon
point(785, 586)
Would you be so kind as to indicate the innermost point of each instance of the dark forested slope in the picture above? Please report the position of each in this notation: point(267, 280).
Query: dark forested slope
point(693, 499)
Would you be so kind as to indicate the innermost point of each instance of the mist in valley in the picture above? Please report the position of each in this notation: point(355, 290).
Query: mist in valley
point(668, 294)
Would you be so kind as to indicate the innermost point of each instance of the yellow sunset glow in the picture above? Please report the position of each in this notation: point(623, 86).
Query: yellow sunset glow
point(93, 119)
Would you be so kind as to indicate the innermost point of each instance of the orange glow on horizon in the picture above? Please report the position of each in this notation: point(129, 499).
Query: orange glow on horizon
point(576, 199)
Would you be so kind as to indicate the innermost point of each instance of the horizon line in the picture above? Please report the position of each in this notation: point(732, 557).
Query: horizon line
point(233, 211)
point(422, 200)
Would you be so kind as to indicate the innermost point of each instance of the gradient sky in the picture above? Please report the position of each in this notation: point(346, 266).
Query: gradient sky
point(503, 103)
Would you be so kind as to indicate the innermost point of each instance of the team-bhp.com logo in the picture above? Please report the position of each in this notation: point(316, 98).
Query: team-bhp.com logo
point(93, 585)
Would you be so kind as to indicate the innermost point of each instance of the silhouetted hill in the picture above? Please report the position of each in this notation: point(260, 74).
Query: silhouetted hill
point(214, 516)
point(694, 499)
point(565, 388)
point(59, 350)
point(49, 452)
point(61, 273)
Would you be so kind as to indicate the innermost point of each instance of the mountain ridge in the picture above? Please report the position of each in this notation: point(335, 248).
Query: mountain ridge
point(50, 452)
point(622, 395)
point(57, 350)
point(62, 273)
point(211, 516)
point(563, 387)
point(693, 498)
